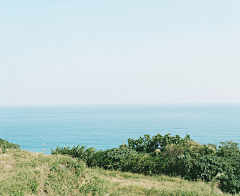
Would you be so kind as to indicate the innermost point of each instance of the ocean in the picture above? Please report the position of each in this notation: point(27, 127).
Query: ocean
point(108, 126)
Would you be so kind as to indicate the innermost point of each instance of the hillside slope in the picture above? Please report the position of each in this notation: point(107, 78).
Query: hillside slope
point(25, 173)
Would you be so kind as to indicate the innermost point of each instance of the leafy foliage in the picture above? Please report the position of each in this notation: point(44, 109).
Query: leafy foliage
point(147, 144)
point(4, 145)
point(170, 155)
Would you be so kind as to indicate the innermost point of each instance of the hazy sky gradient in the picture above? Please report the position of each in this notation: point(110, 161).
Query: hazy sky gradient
point(77, 52)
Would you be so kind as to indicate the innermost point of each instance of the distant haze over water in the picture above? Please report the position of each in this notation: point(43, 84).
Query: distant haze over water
point(108, 126)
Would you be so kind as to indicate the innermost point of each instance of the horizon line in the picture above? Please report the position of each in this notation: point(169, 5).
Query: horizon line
point(88, 104)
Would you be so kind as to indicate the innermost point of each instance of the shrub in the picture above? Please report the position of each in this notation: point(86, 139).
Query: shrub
point(170, 155)
point(147, 144)
point(4, 145)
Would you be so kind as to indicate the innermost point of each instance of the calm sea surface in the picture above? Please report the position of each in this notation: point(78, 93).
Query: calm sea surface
point(108, 126)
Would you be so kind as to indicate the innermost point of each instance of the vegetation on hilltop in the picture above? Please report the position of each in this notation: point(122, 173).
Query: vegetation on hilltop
point(111, 172)
point(169, 155)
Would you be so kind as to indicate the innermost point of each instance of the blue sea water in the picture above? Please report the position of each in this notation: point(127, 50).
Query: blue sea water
point(108, 126)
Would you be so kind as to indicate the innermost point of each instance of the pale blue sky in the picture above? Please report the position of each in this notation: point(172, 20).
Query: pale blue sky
point(78, 52)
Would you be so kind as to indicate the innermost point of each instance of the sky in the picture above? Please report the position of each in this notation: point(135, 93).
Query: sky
point(123, 51)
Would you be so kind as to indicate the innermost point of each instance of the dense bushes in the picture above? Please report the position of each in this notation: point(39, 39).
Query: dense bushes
point(147, 144)
point(4, 145)
point(171, 155)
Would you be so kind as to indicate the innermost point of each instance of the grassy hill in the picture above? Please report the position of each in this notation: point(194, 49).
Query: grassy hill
point(134, 169)
point(25, 173)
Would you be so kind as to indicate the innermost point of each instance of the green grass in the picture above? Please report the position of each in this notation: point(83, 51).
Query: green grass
point(25, 173)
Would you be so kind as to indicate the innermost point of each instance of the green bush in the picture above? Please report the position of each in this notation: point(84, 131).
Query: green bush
point(4, 145)
point(170, 155)
point(230, 181)
point(148, 144)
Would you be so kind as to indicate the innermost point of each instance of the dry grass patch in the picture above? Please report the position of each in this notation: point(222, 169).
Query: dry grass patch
point(154, 185)
point(40, 174)
point(6, 165)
